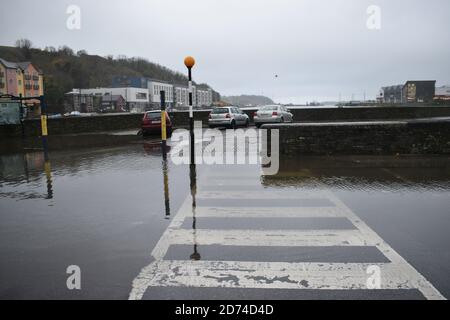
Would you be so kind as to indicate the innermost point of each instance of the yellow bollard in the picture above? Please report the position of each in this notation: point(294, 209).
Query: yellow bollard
point(163, 126)
point(44, 125)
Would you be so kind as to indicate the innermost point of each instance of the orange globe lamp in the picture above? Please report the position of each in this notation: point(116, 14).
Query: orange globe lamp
point(189, 62)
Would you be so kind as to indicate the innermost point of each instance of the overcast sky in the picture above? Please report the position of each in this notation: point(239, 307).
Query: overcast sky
point(319, 49)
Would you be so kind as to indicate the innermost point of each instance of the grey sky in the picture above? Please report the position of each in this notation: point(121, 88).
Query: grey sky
point(318, 48)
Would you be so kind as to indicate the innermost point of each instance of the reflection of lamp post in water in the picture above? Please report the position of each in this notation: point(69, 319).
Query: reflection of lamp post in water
point(166, 188)
point(44, 133)
point(48, 175)
point(193, 184)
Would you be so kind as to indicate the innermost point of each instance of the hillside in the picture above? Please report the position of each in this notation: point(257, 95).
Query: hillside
point(245, 100)
point(64, 70)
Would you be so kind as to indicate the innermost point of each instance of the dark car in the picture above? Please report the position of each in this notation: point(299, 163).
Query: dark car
point(151, 123)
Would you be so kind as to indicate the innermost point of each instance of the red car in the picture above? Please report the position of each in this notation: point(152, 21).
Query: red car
point(151, 123)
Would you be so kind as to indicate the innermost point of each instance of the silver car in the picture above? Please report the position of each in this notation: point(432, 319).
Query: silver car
point(229, 117)
point(272, 114)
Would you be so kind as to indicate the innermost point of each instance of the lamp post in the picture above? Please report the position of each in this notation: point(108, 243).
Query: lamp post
point(189, 63)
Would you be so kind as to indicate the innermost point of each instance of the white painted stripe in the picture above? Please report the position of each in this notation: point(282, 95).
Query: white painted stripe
point(396, 275)
point(276, 212)
point(318, 238)
point(427, 289)
point(230, 182)
point(234, 175)
point(271, 275)
point(257, 194)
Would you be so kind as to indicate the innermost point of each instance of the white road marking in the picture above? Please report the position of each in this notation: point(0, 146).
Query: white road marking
point(277, 212)
point(240, 182)
point(255, 194)
point(317, 238)
point(276, 275)
point(397, 274)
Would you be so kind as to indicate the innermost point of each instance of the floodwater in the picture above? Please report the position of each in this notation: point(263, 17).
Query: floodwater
point(105, 209)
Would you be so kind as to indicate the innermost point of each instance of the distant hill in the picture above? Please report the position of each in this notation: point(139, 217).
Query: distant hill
point(247, 100)
point(63, 70)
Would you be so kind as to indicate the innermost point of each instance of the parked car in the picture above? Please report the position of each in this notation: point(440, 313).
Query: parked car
point(73, 114)
point(54, 116)
point(229, 117)
point(272, 114)
point(151, 122)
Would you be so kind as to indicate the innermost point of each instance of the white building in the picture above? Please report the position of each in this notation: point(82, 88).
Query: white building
point(204, 97)
point(137, 99)
point(200, 97)
point(154, 89)
point(182, 96)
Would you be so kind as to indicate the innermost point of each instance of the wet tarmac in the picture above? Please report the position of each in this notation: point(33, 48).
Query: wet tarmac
point(106, 209)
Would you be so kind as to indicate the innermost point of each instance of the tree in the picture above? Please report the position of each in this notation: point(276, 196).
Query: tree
point(25, 46)
point(65, 50)
point(50, 49)
point(81, 52)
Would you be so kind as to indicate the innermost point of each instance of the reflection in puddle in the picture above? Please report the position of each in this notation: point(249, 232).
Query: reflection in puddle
point(193, 186)
point(364, 173)
point(17, 169)
point(114, 204)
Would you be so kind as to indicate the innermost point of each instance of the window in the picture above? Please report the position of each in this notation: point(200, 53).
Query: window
point(219, 111)
point(269, 108)
point(141, 96)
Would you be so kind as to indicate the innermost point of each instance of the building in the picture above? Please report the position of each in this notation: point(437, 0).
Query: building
point(410, 92)
point(129, 81)
point(391, 94)
point(154, 88)
point(78, 100)
point(22, 79)
point(137, 99)
point(11, 78)
point(200, 97)
point(182, 96)
point(442, 93)
point(419, 91)
point(215, 96)
point(112, 103)
point(204, 97)
point(32, 79)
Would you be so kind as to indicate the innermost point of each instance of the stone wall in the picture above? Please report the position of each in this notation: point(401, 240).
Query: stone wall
point(369, 113)
point(388, 137)
point(98, 123)
point(124, 121)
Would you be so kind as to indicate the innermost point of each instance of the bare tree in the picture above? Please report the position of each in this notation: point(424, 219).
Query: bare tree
point(25, 46)
point(81, 53)
point(65, 50)
point(50, 49)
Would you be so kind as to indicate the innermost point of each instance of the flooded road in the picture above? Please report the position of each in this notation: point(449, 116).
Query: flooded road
point(128, 221)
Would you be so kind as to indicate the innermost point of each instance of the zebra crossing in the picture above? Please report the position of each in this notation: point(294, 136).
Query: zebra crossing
point(232, 191)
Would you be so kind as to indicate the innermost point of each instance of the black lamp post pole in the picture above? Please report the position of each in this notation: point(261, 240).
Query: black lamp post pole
point(191, 118)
